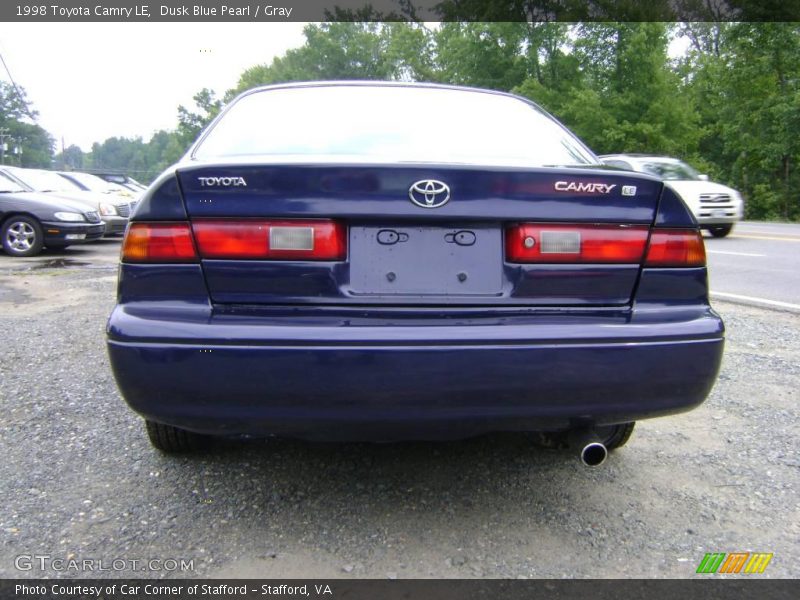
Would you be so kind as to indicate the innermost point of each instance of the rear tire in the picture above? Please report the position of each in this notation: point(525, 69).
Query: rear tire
point(720, 231)
point(612, 436)
point(173, 440)
point(618, 435)
point(22, 236)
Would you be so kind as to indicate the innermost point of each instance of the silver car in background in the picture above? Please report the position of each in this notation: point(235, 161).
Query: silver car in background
point(93, 183)
point(715, 206)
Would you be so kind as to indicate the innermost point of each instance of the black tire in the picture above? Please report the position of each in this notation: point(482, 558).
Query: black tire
point(617, 435)
point(173, 440)
point(612, 436)
point(22, 236)
point(720, 231)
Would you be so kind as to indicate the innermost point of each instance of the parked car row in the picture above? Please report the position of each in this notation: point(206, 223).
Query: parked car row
point(41, 208)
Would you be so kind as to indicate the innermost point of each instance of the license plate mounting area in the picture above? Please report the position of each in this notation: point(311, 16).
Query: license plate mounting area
point(426, 261)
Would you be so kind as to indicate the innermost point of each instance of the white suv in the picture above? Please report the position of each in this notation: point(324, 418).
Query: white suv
point(715, 206)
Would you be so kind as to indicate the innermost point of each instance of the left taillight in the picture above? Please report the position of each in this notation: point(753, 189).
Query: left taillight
point(159, 242)
point(285, 239)
point(291, 239)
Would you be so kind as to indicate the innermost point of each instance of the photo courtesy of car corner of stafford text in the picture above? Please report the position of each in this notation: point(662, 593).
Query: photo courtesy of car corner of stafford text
point(399, 299)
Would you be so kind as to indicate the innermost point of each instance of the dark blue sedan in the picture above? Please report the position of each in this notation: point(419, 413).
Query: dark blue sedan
point(390, 261)
point(31, 221)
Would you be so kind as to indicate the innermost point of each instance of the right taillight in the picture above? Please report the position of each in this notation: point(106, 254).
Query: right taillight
point(575, 243)
point(604, 244)
point(675, 248)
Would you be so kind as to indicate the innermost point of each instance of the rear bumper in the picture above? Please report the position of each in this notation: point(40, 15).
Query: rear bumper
point(708, 215)
point(333, 377)
point(706, 221)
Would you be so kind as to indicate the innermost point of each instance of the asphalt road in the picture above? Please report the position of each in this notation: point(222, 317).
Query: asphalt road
point(758, 263)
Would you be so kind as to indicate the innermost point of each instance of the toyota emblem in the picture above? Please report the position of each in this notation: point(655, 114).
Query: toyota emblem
point(429, 193)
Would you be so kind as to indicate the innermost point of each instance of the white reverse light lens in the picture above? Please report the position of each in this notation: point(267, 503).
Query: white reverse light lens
point(69, 216)
point(561, 242)
point(291, 238)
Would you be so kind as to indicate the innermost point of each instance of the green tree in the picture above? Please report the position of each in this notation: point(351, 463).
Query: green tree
point(553, 70)
point(190, 124)
point(615, 88)
point(410, 51)
point(71, 158)
point(28, 144)
point(488, 55)
point(133, 156)
point(761, 116)
point(744, 79)
point(349, 51)
point(332, 51)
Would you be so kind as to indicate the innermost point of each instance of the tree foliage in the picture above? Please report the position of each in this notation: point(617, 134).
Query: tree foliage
point(190, 124)
point(29, 145)
point(351, 51)
point(743, 80)
point(623, 96)
point(142, 160)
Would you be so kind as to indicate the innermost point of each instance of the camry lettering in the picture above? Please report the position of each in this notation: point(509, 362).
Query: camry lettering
point(222, 181)
point(586, 187)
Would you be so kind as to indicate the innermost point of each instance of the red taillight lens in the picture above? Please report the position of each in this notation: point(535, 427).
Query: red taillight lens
point(272, 239)
point(542, 243)
point(676, 248)
point(158, 242)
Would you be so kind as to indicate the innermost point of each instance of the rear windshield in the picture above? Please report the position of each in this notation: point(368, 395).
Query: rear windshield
point(402, 124)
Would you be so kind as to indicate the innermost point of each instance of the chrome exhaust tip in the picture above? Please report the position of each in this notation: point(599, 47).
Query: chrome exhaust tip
point(593, 452)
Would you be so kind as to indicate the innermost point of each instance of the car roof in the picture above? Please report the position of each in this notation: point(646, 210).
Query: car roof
point(374, 84)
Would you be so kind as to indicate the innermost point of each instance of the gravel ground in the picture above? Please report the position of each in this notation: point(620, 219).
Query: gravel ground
point(81, 481)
